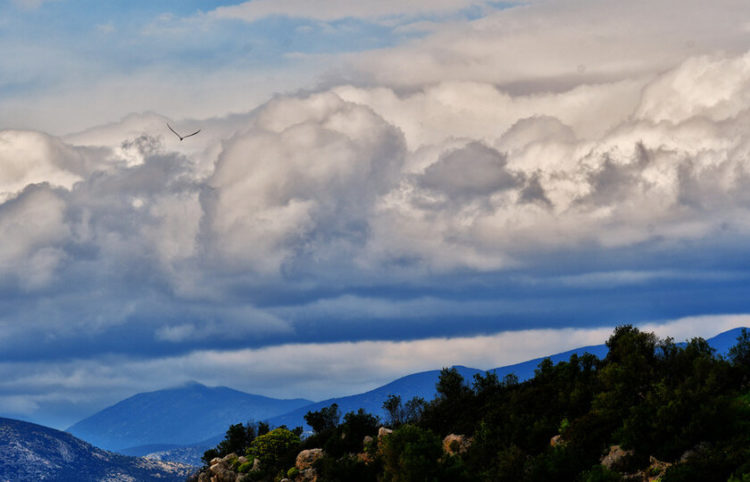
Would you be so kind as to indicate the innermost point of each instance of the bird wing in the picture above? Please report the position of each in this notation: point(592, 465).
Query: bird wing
point(175, 132)
point(194, 133)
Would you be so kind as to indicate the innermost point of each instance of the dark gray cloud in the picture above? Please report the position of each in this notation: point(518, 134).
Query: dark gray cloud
point(470, 172)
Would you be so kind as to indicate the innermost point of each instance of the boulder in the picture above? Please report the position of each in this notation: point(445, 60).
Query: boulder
point(454, 444)
point(382, 432)
point(615, 457)
point(307, 458)
point(367, 440)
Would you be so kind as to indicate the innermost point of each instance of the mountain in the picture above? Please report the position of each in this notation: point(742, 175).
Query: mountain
point(423, 384)
point(180, 416)
point(419, 385)
point(153, 424)
point(30, 452)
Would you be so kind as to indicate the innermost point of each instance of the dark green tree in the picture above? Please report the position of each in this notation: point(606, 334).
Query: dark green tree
point(324, 420)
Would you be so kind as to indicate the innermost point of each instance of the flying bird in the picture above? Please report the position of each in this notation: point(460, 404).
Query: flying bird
point(182, 137)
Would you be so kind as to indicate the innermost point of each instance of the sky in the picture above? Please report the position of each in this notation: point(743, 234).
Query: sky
point(378, 188)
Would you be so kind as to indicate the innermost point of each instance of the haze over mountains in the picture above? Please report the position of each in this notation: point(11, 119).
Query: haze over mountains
point(179, 423)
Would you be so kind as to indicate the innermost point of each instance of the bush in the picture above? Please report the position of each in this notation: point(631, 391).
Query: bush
point(275, 450)
point(411, 454)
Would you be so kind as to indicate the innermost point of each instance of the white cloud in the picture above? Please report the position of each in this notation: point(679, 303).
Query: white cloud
point(338, 9)
point(551, 45)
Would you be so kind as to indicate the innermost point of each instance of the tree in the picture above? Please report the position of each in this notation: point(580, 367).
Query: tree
point(395, 410)
point(411, 454)
point(324, 420)
point(739, 355)
point(238, 437)
point(275, 450)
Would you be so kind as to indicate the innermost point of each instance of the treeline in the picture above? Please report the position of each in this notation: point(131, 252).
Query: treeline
point(651, 408)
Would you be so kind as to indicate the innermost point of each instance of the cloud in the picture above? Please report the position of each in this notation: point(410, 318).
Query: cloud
point(543, 46)
point(301, 182)
point(31, 4)
point(311, 370)
point(472, 181)
point(328, 10)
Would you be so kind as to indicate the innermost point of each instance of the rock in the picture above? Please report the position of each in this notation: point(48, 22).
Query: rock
point(215, 461)
point(365, 458)
point(367, 440)
point(256, 465)
point(242, 460)
point(382, 432)
point(615, 456)
point(307, 458)
point(456, 444)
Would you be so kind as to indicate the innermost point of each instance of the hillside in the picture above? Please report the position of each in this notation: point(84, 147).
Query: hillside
point(30, 452)
point(419, 385)
point(161, 417)
point(650, 409)
point(162, 424)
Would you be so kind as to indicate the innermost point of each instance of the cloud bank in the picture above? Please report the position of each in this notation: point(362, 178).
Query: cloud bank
point(487, 178)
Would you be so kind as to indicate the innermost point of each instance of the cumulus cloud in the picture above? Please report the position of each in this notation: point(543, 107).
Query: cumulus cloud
point(473, 191)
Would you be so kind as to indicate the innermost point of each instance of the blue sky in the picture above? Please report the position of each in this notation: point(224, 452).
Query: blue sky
point(377, 188)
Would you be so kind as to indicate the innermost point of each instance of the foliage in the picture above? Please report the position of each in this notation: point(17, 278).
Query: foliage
point(237, 438)
point(411, 454)
point(679, 403)
point(276, 450)
point(324, 420)
point(399, 414)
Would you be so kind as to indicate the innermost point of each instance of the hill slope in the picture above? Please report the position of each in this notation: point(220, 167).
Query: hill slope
point(180, 416)
point(30, 452)
point(423, 384)
point(419, 385)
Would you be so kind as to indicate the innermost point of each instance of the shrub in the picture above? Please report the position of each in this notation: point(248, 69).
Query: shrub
point(275, 450)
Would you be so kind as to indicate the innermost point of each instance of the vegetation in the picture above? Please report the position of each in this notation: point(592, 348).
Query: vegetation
point(677, 411)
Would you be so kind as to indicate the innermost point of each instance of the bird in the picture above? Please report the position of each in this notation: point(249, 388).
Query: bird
point(182, 137)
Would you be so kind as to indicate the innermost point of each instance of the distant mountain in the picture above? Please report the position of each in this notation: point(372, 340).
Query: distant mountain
point(423, 384)
point(419, 385)
point(30, 452)
point(179, 416)
point(153, 424)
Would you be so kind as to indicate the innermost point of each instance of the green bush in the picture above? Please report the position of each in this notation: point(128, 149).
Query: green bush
point(275, 450)
point(411, 454)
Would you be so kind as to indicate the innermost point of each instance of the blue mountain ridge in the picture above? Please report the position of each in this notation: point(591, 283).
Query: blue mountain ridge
point(423, 384)
point(420, 384)
point(178, 416)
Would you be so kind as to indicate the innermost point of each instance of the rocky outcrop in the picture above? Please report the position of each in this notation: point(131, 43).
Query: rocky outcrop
point(454, 444)
point(616, 457)
point(304, 465)
point(224, 469)
point(382, 432)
